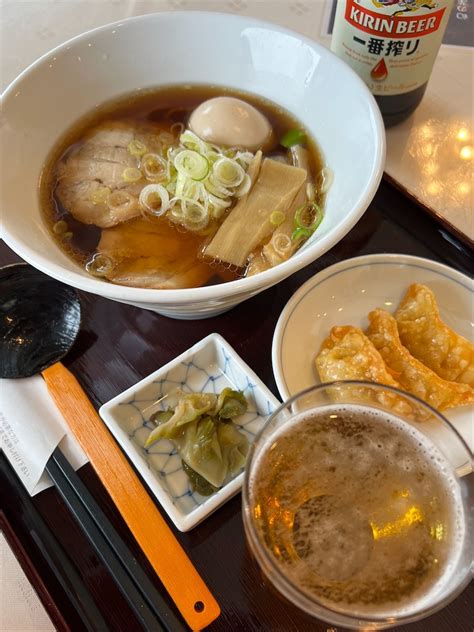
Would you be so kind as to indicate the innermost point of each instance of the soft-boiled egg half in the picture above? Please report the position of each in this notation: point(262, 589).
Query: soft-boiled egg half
point(232, 122)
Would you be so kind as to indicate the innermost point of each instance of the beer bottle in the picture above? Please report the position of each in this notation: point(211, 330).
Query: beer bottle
point(392, 45)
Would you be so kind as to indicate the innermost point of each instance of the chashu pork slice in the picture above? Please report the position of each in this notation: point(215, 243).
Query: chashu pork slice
point(92, 169)
point(152, 254)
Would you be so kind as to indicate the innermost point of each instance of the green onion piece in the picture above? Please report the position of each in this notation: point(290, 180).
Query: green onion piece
point(191, 141)
point(301, 217)
point(300, 233)
point(61, 227)
point(154, 200)
point(244, 187)
point(154, 167)
point(277, 218)
point(100, 195)
point(310, 191)
point(318, 218)
point(120, 200)
point(67, 235)
point(100, 265)
point(131, 174)
point(191, 164)
point(281, 243)
point(293, 137)
point(136, 148)
point(227, 172)
point(177, 129)
point(302, 229)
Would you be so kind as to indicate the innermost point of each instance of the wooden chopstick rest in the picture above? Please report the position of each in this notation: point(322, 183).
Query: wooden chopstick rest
point(176, 571)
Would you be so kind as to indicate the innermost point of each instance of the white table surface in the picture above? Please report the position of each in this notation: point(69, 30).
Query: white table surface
point(20, 608)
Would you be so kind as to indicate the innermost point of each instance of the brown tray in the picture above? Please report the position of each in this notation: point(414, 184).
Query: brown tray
point(118, 346)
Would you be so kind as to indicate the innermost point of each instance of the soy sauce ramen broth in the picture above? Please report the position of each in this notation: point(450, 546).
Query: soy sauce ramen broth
point(166, 107)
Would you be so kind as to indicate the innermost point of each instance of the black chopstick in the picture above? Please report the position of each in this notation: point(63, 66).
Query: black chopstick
point(118, 573)
point(148, 604)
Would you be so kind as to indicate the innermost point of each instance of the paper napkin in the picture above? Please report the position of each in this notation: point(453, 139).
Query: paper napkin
point(31, 427)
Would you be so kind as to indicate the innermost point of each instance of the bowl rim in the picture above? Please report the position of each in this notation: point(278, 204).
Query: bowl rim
point(247, 285)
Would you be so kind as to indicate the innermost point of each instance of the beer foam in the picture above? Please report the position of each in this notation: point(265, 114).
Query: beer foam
point(400, 485)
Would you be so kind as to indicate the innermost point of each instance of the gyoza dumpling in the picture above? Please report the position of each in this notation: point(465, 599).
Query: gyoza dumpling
point(429, 340)
point(412, 375)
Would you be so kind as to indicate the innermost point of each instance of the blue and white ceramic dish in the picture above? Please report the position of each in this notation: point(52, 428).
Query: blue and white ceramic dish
point(209, 366)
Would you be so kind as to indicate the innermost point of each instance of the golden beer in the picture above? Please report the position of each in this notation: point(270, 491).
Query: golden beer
point(357, 510)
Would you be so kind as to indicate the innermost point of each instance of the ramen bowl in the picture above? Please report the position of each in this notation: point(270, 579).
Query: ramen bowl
point(175, 49)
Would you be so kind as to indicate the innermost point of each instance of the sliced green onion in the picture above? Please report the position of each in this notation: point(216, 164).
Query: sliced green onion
point(244, 158)
point(227, 173)
point(195, 213)
point(195, 190)
point(305, 226)
point(318, 218)
point(191, 141)
point(154, 167)
point(191, 164)
point(136, 148)
point(100, 195)
point(100, 265)
point(293, 137)
point(180, 183)
point(67, 235)
point(244, 187)
point(190, 214)
point(281, 243)
point(166, 138)
point(175, 211)
point(199, 178)
point(154, 200)
point(303, 216)
point(218, 205)
point(120, 200)
point(217, 190)
point(131, 174)
point(300, 233)
point(217, 201)
point(308, 216)
point(171, 187)
point(327, 179)
point(277, 218)
point(177, 129)
point(61, 227)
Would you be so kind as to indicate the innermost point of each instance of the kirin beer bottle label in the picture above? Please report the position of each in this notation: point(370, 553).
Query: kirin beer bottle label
point(391, 44)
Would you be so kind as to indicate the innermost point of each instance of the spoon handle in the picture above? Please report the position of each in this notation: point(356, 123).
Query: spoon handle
point(176, 571)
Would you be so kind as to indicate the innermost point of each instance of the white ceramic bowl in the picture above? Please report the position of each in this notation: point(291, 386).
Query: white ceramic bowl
point(176, 48)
